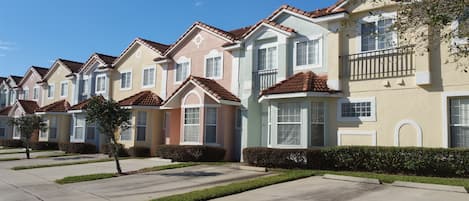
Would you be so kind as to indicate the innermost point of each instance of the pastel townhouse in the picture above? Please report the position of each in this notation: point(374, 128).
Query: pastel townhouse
point(93, 79)
point(57, 95)
point(341, 76)
point(137, 84)
point(200, 77)
point(8, 95)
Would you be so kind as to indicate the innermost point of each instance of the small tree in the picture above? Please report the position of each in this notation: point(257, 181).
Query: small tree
point(109, 117)
point(27, 125)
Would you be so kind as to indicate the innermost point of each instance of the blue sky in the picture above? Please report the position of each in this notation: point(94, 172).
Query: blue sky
point(34, 32)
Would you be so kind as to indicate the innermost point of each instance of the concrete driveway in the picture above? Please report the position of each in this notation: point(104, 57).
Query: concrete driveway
point(317, 188)
point(33, 154)
point(53, 160)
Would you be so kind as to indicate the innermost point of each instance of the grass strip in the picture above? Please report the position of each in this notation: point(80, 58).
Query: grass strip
point(91, 177)
point(83, 178)
point(238, 187)
point(390, 178)
point(63, 164)
point(9, 159)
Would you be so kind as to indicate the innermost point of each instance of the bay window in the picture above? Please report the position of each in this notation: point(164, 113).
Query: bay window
point(191, 125)
point(141, 126)
point(211, 125)
point(289, 124)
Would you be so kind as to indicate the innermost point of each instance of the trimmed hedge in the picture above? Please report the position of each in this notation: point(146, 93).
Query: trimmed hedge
point(11, 143)
point(44, 146)
point(394, 160)
point(139, 151)
point(191, 153)
point(121, 153)
point(79, 148)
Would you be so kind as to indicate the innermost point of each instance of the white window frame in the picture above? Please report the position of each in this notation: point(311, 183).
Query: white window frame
point(183, 140)
point(154, 77)
point(375, 18)
point(212, 55)
point(16, 132)
point(75, 138)
point(35, 93)
point(207, 124)
point(266, 46)
point(371, 133)
point(130, 130)
point(96, 84)
point(62, 88)
point(120, 78)
point(371, 118)
point(86, 87)
point(26, 92)
point(137, 126)
point(304, 124)
point(182, 60)
point(320, 40)
point(51, 91)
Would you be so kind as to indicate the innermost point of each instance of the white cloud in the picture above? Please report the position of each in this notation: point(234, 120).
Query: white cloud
point(198, 3)
point(4, 45)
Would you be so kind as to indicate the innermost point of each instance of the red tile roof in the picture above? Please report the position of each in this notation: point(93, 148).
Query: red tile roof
point(73, 66)
point(29, 106)
point(312, 14)
point(5, 111)
point(144, 98)
point(154, 45)
point(58, 106)
point(211, 86)
point(240, 32)
point(83, 104)
point(271, 23)
point(300, 82)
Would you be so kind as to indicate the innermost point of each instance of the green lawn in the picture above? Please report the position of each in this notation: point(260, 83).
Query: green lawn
point(63, 164)
point(91, 177)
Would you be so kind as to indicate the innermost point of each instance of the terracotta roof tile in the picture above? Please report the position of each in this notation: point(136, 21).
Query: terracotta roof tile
point(271, 23)
point(107, 59)
point(240, 32)
point(300, 82)
point(209, 85)
point(144, 98)
point(42, 71)
point(83, 104)
point(74, 66)
point(5, 111)
point(312, 14)
point(58, 106)
point(29, 106)
point(154, 45)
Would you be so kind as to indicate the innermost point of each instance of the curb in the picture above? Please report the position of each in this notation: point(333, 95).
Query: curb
point(160, 160)
point(252, 168)
point(436, 187)
point(351, 179)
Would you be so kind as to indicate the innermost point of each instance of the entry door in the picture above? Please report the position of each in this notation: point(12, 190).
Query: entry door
point(459, 122)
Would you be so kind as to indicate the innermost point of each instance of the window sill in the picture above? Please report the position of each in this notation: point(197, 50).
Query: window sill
point(125, 89)
point(149, 86)
point(306, 67)
point(190, 143)
point(356, 119)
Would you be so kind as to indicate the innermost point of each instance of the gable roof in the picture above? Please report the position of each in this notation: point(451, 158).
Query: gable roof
point(71, 66)
point(107, 60)
point(268, 23)
point(38, 70)
point(228, 36)
point(300, 82)
point(160, 48)
point(83, 104)
point(5, 111)
point(211, 87)
point(58, 106)
point(313, 14)
point(143, 98)
point(16, 79)
point(28, 106)
point(41, 70)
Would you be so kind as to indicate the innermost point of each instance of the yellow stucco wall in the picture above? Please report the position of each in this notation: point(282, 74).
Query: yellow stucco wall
point(56, 78)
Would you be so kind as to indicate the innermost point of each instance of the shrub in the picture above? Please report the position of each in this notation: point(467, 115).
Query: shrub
point(282, 158)
point(11, 143)
point(44, 146)
point(121, 153)
point(394, 160)
point(191, 153)
point(79, 148)
point(139, 151)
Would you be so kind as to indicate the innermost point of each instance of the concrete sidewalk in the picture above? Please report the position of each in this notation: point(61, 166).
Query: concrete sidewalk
point(317, 188)
point(53, 160)
point(33, 154)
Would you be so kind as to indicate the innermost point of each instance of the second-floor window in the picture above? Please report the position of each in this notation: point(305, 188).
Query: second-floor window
point(100, 84)
point(35, 93)
point(86, 86)
point(267, 58)
point(308, 53)
point(126, 80)
point(214, 65)
point(63, 89)
point(50, 91)
point(377, 34)
point(26, 93)
point(148, 77)
point(182, 71)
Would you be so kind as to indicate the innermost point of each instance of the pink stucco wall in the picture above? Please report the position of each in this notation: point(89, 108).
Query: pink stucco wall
point(31, 80)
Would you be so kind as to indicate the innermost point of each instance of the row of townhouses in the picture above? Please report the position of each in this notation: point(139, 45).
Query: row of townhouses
point(296, 79)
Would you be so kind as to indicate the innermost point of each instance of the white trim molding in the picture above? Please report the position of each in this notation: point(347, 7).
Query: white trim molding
point(150, 67)
point(372, 116)
point(445, 114)
point(408, 122)
point(212, 55)
point(120, 78)
point(182, 60)
point(298, 95)
point(371, 133)
point(320, 40)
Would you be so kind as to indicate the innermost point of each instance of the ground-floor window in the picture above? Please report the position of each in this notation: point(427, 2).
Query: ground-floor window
point(141, 126)
point(53, 127)
point(90, 131)
point(16, 132)
point(289, 124)
point(80, 128)
point(211, 125)
point(191, 125)
point(459, 122)
point(317, 124)
point(126, 134)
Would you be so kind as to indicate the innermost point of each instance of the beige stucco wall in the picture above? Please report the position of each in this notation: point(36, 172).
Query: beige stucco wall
point(135, 60)
point(56, 78)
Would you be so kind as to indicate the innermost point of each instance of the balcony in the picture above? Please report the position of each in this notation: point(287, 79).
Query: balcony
point(388, 63)
point(264, 79)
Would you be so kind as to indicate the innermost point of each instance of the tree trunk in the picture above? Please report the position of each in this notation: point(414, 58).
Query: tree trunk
point(27, 150)
point(116, 153)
